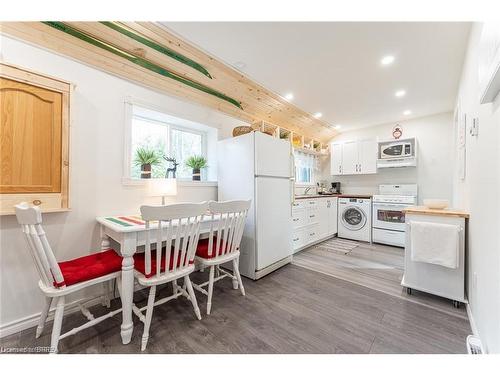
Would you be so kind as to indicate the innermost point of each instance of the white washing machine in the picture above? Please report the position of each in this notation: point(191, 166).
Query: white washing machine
point(355, 219)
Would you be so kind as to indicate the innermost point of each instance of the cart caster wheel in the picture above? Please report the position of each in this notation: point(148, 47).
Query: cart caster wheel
point(456, 304)
point(408, 291)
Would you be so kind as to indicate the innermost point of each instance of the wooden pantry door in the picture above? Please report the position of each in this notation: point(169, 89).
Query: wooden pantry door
point(30, 138)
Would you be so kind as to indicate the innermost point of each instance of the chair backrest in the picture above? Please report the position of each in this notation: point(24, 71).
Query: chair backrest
point(30, 219)
point(227, 225)
point(179, 229)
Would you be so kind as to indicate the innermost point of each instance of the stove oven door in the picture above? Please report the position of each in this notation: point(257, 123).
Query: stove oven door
point(389, 216)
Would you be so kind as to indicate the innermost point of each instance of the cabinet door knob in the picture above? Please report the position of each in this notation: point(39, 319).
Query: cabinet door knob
point(37, 202)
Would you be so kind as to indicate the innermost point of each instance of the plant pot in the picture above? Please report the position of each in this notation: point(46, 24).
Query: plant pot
point(146, 171)
point(196, 174)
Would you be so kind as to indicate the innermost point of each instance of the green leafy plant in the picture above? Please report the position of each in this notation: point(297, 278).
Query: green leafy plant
point(196, 162)
point(146, 156)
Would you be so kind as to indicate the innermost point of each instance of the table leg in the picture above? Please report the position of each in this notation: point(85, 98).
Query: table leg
point(107, 285)
point(128, 247)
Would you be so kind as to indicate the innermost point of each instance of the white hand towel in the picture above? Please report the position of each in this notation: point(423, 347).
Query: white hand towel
point(434, 243)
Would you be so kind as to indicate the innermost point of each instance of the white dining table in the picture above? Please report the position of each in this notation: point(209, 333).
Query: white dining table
point(129, 232)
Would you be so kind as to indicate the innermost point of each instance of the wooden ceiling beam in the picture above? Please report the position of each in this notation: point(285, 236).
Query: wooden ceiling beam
point(259, 104)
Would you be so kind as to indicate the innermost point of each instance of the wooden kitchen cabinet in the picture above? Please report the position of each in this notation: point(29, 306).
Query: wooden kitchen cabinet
point(353, 157)
point(34, 138)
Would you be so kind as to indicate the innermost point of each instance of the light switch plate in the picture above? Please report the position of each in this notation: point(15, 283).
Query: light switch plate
point(474, 129)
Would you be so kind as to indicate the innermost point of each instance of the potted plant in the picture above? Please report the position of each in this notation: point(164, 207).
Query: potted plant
point(145, 158)
point(196, 163)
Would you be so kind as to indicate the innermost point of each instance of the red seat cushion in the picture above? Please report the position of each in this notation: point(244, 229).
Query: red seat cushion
point(140, 262)
point(89, 267)
point(202, 249)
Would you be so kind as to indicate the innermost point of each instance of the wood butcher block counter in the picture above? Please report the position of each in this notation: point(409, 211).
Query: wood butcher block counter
point(422, 210)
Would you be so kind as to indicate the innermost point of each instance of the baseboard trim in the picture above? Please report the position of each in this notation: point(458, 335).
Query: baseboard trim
point(473, 326)
point(272, 267)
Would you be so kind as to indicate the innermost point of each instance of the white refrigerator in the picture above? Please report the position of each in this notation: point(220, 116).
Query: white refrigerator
point(259, 167)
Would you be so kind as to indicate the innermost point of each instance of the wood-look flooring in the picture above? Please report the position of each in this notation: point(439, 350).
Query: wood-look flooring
point(375, 266)
point(292, 310)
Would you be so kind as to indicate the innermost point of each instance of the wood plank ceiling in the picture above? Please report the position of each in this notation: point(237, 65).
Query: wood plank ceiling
point(257, 103)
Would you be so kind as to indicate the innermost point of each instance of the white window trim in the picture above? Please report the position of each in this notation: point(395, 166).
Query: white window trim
point(203, 135)
point(127, 180)
point(307, 184)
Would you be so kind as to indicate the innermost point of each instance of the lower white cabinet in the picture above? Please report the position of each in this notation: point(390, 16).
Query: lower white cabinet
point(332, 216)
point(313, 220)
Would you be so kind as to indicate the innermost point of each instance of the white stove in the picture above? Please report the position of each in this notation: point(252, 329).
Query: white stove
point(388, 224)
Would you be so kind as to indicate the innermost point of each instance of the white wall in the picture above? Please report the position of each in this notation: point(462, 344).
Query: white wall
point(478, 193)
point(433, 173)
point(96, 159)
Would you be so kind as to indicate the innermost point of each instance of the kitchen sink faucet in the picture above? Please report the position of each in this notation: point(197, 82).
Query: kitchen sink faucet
point(306, 190)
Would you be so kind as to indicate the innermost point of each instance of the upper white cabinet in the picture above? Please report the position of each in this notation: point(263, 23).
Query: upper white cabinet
point(350, 158)
point(336, 158)
point(353, 157)
point(367, 162)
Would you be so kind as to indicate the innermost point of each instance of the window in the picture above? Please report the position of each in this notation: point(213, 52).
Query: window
point(166, 136)
point(305, 165)
point(183, 145)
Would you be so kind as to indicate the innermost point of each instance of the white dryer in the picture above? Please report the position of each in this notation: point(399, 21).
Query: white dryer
point(355, 218)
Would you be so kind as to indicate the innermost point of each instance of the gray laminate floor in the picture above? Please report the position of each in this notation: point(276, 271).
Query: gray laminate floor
point(375, 266)
point(292, 310)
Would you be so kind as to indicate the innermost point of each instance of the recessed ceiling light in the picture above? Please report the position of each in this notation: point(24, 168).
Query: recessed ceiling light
point(400, 93)
point(318, 114)
point(387, 60)
point(407, 112)
point(289, 96)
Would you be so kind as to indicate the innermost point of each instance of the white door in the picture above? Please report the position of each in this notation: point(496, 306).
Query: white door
point(273, 220)
point(336, 159)
point(367, 157)
point(332, 216)
point(350, 157)
point(272, 156)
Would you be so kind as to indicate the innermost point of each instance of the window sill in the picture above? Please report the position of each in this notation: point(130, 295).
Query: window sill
point(126, 181)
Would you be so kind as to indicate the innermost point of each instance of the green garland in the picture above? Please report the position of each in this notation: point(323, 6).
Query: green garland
point(157, 47)
point(139, 61)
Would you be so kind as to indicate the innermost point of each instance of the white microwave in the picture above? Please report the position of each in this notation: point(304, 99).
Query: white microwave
point(396, 150)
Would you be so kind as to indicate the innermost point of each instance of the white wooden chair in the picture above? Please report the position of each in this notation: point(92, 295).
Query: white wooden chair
point(222, 245)
point(176, 238)
point(57, 280)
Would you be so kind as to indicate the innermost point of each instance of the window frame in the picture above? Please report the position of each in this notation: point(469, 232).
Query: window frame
point(302, 183)
point(203, 135)
point(127, 179)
